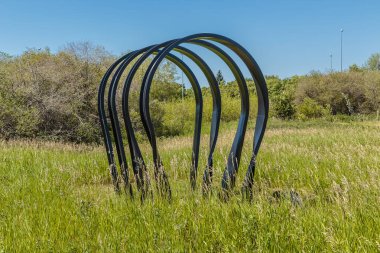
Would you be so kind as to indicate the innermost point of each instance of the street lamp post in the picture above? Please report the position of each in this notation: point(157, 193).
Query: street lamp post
point(182, 83)
point(341, 50)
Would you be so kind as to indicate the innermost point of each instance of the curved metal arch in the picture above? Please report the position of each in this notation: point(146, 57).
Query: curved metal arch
point(104, 125)
point(106, 132)
point(135, 151)
point(263, 102)
point(236, 148)
point(216, 110)
point(215, 120)
point(116, 126)
point(113, 112)
point(159, 171)
point(235, 152)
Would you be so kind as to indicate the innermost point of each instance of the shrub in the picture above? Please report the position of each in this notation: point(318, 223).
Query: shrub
point(309, 109)
point(345, 93)
point(54, 96)
point(281, 95)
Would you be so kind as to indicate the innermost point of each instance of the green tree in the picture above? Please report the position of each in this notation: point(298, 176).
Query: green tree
point(166, 73)
point(281, 94)
point(4, 56)
point(219, 78)
point(373, 62)
point(354, 68)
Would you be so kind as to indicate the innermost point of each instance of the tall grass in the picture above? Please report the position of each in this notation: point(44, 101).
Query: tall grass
point(58, 197)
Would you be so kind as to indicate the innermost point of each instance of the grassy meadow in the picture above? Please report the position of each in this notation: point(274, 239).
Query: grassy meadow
point(57, 197)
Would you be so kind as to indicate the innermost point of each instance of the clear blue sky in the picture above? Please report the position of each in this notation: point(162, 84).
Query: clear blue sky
point(286, 37)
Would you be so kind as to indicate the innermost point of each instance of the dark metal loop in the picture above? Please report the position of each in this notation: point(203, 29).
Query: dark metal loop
point(202, 39)
point(104, 124)
point(132, 142)
point(262, 93)
point(135, 151)
point(112, 106)
point(235, 152)
point(137, 160)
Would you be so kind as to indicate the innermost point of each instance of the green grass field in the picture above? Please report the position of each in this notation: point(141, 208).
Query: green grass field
point(58, 197)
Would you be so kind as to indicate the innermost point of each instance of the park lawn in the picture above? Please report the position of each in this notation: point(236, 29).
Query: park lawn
point(57, 197)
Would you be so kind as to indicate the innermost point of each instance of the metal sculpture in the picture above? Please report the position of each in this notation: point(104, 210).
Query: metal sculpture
point(163, 51)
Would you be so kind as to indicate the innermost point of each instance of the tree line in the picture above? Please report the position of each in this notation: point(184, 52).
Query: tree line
point(54, 95)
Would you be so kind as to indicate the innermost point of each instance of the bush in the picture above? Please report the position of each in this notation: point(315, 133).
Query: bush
point(281, 95)
point(54, 96)
point(283, 107)
point(345, 93)
point(310, 109)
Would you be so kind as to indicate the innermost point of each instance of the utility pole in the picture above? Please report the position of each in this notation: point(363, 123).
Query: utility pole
point(331, 69)
point(182, 84)
point(341, 50)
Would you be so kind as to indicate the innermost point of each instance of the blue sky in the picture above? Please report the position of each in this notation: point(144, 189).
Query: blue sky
point(286, 37)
